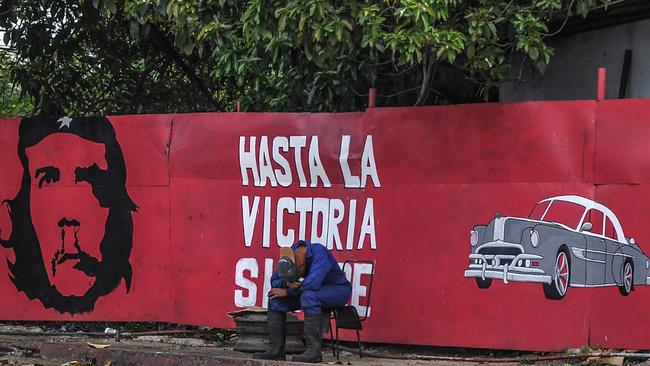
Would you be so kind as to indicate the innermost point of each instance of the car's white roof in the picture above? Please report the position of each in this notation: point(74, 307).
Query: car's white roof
point(589, 204)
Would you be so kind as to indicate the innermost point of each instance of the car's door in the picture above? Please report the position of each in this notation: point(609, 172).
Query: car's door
point(615, 255)
point(595, 254)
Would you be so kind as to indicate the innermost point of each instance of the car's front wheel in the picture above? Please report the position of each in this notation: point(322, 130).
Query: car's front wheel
point(558, 288)
point(483, 283)
point(628, 278)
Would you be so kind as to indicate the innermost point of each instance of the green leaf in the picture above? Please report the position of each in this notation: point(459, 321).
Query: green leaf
point(471, 50)
point(301, 24)
point(134, 29)
point(493, 28)
point(110, 5)
point(451, 56)
point(440, 52)
point(338, 32)
point(161, 8)
point(188, 47)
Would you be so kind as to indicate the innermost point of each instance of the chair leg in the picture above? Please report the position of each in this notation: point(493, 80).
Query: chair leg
point(338, 352)
point(359, 344)
point(332, 339)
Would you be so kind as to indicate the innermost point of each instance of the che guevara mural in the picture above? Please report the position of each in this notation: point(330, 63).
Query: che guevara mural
point(71, 245)
point(179, 218)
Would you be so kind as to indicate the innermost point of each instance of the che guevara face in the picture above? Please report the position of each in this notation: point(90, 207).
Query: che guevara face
point(68, 219)
point(71, 220)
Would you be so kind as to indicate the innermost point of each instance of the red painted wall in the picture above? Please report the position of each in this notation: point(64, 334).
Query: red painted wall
point(441, 170)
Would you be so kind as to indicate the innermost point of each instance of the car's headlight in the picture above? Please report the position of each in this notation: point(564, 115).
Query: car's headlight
point(473, 238)
point(534, 238)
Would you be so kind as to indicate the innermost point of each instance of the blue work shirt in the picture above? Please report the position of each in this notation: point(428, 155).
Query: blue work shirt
point(321, 270)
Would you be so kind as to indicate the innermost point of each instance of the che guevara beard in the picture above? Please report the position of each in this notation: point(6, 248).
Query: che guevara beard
point(85, 262)
point(29, 273)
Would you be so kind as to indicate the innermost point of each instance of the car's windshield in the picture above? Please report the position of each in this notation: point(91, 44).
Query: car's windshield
point(563, 212)
point(538, 210)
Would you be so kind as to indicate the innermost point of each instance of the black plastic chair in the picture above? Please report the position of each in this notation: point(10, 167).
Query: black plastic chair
point(347, 317)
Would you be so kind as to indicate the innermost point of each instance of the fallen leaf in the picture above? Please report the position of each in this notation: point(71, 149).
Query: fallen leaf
point(97, 345)
point(108, 363)
point(616, 361)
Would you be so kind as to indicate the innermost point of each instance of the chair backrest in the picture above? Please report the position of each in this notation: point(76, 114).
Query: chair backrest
point(372, 275)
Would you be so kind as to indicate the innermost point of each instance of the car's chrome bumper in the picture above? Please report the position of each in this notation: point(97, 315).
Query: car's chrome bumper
point(508, 276)
point(491, 266)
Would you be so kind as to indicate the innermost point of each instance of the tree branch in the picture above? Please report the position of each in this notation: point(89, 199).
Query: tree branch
point(563, 23)
point(171, 51)
point(427, 70)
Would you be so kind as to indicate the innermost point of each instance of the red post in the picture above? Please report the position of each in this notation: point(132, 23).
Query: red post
point(372, 96)
point(602, 76)
point(238, 105)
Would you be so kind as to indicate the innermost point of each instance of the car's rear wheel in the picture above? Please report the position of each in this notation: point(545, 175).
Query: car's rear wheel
point(627, 277)
point(483, 283)
point(559, 286)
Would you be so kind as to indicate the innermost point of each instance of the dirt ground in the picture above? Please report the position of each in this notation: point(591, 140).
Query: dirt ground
point(46, 349)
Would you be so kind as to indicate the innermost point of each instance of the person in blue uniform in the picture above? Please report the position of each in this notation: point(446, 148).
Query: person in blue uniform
point(307, 278)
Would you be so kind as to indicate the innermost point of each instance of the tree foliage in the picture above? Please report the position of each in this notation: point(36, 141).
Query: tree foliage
point(137, 56)
point(11, 102)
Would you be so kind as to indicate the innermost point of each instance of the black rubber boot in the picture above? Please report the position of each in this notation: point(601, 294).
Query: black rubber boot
point(277, 337)
point(313, 338)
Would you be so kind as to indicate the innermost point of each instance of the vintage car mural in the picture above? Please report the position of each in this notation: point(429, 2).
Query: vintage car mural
point(565, 241)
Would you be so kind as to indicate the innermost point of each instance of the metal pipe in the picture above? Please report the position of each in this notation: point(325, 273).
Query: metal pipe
point(566, 356)
point(602, 76)
point(163, 332)
point(625, 74)
point(372, 97)
point(99, 334)
point(67, 334)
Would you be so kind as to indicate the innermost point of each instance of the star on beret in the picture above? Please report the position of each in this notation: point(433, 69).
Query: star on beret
point(65, 122)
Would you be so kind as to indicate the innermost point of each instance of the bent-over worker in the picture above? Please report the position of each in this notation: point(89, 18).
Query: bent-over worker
point(307, 278)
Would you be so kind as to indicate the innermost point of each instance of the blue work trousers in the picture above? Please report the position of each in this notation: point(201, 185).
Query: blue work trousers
point(313, 302)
